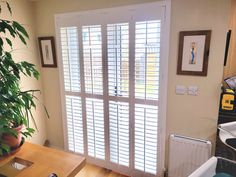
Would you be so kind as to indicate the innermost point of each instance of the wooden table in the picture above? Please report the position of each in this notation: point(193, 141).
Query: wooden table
point(47, 160)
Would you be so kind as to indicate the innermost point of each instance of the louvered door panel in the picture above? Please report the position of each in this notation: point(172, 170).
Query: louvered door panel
point(111, 67)
point(119, 132)
point(92, 53)
point(95, 128)
point(70, 58)
point(146, 128)
point(147, 59)
point(118, 59)
point(74, 124)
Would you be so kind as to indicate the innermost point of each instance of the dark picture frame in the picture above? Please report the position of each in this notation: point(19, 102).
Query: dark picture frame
point(227, 46)
point(193, 53)
point(47, 51)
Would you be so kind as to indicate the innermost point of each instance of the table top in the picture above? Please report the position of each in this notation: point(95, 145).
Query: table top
point(46, 161)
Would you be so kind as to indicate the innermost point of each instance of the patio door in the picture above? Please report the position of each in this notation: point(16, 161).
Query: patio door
point(111, 85)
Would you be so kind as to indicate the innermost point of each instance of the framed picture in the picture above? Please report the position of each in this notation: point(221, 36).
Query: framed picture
point(193, 52)
point(47, 51)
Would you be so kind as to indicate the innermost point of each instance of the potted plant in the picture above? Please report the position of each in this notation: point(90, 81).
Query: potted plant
point(15, 104)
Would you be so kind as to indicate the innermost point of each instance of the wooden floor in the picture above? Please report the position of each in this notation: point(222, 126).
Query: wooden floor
point(94, 171)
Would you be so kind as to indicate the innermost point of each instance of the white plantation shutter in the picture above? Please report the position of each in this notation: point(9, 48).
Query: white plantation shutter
point(147, 63)
point(146, 128)
point(111, 62)
point(71, 70)
point(95, 128)
point(92, 51)
point(119, 132)
point(147, 59)
point(118, 59)
point(74, 124)
point(70, 58)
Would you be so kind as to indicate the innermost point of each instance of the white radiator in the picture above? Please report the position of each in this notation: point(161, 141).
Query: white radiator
point(186, 155)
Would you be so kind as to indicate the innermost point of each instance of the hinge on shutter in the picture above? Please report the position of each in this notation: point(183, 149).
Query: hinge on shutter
point(164, 6)
point(115, 90)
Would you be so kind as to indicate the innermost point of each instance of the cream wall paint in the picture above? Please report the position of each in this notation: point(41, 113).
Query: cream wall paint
point(230, 68)
point(23, 13)
point(186, 115)
point(197, 116)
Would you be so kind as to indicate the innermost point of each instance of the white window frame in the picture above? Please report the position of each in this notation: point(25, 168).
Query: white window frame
point(69, 19)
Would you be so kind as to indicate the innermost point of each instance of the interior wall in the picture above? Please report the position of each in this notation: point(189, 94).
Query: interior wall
point(230, 68)
point(24, 14)
point(194, 116)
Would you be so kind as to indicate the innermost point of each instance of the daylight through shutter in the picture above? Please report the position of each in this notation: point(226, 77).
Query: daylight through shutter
point(110, 64)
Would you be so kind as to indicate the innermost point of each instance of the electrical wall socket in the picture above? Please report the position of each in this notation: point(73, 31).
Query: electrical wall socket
point(180, 90)
point(193, 90)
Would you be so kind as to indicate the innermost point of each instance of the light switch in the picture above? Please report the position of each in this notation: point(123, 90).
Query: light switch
point(193, 90)
point(180, 90)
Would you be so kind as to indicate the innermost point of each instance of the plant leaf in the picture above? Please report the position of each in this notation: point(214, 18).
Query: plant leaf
point(9, 42)
point(20, 28)
point(9, 7)
point(36, 74)
point(22, 39)
point(1, 42)
point(8, 25)
point(5, 147)
point(34, 122)
point(30, 130)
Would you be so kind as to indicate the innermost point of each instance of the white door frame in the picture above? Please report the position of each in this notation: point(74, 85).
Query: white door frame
point(69, 19)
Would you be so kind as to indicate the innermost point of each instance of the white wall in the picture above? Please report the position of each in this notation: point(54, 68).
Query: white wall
point(197, 115)
point(23, 13)
point(187, 115)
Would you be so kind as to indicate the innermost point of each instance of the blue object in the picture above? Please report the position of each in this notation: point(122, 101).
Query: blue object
point(222, 175)
point(53, 175)
point(231, 142)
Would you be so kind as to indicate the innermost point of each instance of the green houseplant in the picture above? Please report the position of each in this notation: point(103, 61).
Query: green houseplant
point(15, 104)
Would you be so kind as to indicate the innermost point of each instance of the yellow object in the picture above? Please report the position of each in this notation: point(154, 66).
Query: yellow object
point(227, 101)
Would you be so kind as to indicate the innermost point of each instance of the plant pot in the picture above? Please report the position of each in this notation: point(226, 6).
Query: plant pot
point(11, 140)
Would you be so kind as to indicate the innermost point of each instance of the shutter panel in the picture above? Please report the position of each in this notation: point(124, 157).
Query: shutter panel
point(71, 72)
point(70, 58)
point(147, 59)
point(95, 128)
point(146, 128)
point(118, 59)
point(74, 124)
point(92, 53)
point(119, 132)
point(124, 43)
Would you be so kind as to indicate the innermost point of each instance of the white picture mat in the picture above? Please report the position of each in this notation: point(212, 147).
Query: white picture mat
point(200, 44)
point(47, 52)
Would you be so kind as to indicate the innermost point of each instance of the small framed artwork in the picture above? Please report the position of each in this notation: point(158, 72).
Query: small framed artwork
point(193, 52)
point(47, 51)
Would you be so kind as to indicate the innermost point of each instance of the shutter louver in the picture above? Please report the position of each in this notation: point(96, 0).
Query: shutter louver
point(92, 53)
point(119, 132)
point(118, 59)
point(147, 59)
point(110, 66)
point(70, 58)
point(146, 128)
point(95, 128)
point(74, 124)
